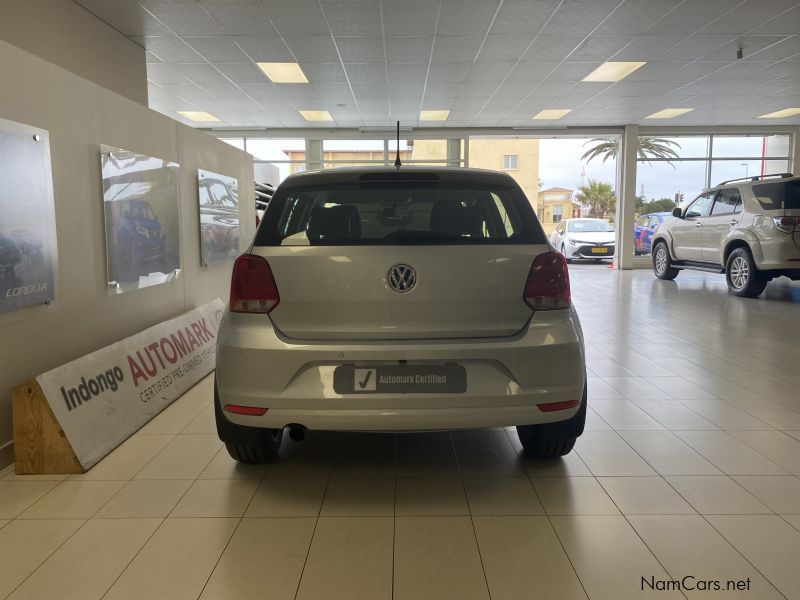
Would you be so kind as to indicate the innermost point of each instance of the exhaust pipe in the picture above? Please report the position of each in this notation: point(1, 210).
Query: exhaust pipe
point(297, 433)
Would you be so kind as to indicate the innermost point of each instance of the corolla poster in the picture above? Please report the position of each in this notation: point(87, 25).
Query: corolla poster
point(140, 195)
point(27, 218)
point(219, 217)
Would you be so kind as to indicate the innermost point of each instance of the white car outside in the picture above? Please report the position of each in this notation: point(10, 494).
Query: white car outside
point(584, 238)
point(399, 300)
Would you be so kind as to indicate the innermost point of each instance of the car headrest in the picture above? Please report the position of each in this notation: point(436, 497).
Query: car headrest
point(334, 223)
point(450, 216)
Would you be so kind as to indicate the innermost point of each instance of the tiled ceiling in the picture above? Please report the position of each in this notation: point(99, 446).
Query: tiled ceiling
point(491, 63)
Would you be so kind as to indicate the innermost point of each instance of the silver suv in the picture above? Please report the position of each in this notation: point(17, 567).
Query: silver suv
point(399, 300)
point(748, 229)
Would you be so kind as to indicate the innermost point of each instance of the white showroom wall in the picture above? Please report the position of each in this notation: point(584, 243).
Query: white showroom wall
point(80, 116)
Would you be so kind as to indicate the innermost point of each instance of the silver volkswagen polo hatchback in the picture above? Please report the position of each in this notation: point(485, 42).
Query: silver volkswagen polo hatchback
point(406, 299)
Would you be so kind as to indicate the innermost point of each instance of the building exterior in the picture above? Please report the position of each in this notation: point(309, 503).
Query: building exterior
point(556, 204)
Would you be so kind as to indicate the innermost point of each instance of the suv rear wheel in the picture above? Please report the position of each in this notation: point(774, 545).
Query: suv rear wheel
point(551, 440)
point(742, 275)
point(662, 263)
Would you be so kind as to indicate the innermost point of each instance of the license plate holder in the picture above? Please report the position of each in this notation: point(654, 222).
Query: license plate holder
point(599, 250)
point(450, 378)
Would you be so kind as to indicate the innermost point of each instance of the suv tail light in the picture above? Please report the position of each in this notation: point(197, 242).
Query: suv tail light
point(253, 288)
point(786, 224)
point(547, 287)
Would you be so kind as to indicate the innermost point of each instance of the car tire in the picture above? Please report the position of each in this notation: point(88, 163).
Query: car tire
point(743, 276)
point(256, 453)
point(551, 440)
point(662, 263)
point(564, 252)
point(246, 444)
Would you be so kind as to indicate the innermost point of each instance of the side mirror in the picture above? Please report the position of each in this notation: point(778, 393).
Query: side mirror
point(677, 212)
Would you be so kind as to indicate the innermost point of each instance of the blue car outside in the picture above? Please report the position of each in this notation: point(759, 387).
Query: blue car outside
point(643, 231)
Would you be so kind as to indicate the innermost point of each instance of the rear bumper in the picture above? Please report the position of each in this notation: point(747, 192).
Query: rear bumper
point(506, 378)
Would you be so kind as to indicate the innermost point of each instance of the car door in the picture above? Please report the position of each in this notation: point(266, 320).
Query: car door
point(647, 234)
point(687, 236)
point(724, 216)
point(639, 233)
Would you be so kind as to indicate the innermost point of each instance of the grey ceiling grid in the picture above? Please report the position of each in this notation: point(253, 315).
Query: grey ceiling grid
point(491, 63)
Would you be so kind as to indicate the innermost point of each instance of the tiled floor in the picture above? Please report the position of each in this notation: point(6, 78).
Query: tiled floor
point(689, 466)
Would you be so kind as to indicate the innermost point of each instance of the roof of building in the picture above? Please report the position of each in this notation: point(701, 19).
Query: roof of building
point(556, 189)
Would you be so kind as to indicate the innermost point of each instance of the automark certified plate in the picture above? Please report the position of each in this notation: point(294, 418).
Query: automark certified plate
point(599, 250)
point(400, 379)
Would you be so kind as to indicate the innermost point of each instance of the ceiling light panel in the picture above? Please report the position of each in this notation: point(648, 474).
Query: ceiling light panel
point(198, 116)
point(613, 71)
point(433, 115)
point(781, 114)
point(669, 113)
point(283, 72)
point(316, 115)
point(550, 114)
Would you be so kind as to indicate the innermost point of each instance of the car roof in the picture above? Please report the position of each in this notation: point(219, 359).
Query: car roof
point(752, 181)
point(388, 174)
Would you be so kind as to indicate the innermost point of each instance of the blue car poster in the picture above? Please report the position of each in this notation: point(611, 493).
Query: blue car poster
point(140, 201)
point(27, 217)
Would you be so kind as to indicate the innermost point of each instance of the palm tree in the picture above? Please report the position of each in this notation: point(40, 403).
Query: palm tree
point(598, 196)
point(649, 147)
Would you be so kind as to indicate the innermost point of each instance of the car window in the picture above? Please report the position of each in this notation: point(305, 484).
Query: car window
point(392, 214)
point(700, 207)
point(589, 226)
point(778, 195)
point(642, 221)
point(727, 202)
point(655, 221)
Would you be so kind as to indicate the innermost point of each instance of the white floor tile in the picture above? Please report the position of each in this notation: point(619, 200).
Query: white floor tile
point(523, 554)
point(176, 562)
point(716, 495)
point(437, 557)
point(645, 496)
point(769, 543)
point(245, 571)
point(729, 454)
point(350, 558)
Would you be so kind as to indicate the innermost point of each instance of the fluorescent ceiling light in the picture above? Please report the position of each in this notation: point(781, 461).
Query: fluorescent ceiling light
point(780, 114)
point(316, 115)
point(433, 115)
point(551, 113)
point(613, 71)
point(669, 113)
point(283, 72)
point(199, 116)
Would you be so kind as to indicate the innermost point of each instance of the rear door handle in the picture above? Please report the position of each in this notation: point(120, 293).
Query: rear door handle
point(734, 222)
point(698, 224)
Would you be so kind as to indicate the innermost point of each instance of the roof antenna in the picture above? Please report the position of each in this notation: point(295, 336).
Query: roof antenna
point(397, 162)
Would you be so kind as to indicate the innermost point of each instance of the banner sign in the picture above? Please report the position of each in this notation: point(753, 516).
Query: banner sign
point(99, 400)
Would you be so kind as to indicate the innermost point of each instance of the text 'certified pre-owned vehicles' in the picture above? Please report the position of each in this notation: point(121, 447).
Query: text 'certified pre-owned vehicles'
point(748, 229)
point(404, 299)
point(584, 238)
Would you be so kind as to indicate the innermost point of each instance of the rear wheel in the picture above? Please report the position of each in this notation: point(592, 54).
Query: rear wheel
point(742, 275)
point(551, 440)
point(662, 263)
point(264, 451)
point(246, 444)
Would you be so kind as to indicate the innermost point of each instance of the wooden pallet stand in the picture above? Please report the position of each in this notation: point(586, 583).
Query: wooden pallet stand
point(40, 445)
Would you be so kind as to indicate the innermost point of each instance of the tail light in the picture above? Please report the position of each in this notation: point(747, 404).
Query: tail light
point(786, 224)
point(547, 287)
point(253, 288)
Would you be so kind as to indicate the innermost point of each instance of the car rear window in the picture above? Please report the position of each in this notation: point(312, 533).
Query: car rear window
point(778, 195)
point(399, 213)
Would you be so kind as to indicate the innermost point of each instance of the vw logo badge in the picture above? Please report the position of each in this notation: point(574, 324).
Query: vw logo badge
point(402, 278)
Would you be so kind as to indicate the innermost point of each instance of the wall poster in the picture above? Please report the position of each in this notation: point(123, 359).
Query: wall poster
point(27, 217)
point(140, 201)
point(219, 217)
